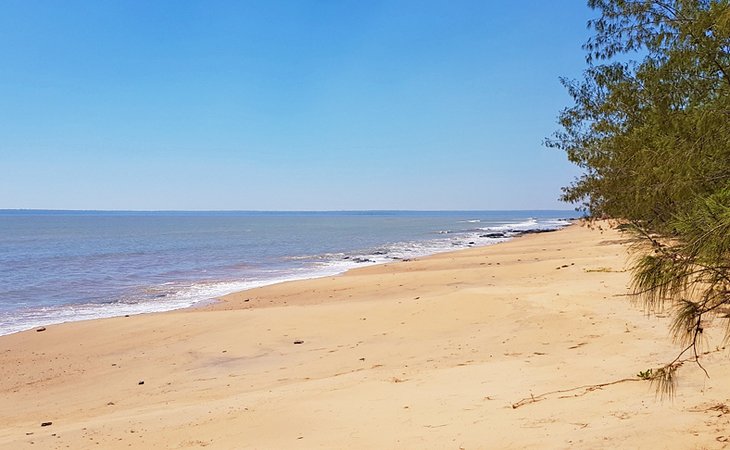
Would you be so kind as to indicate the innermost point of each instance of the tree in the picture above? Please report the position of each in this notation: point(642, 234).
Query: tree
point(650, 126)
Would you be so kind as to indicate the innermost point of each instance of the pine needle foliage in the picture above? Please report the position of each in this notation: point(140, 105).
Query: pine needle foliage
point(650, 127)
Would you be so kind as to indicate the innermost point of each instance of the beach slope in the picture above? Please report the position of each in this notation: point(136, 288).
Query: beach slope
point(515, 345)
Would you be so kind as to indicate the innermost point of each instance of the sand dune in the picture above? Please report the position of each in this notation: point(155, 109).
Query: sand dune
point(429, 353)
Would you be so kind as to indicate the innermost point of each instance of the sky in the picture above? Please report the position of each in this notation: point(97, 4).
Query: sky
point(285, 105)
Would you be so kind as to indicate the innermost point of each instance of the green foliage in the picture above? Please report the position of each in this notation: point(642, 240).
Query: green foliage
point(645, 374)
point(665, 379)
point(652, 133)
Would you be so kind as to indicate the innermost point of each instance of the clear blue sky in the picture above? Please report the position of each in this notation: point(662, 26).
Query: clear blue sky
point(285, 105)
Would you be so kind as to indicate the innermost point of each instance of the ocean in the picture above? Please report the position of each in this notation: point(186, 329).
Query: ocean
point(60, 266)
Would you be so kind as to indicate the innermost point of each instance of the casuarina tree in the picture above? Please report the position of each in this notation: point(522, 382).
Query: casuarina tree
point(650, 126)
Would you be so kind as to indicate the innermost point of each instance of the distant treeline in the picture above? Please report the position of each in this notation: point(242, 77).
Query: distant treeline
point(650, 126)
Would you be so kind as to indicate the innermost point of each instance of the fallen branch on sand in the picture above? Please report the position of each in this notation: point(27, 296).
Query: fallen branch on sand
point(586, 389)
point(663, 377)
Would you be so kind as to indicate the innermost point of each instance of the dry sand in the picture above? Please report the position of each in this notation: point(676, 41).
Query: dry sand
point(430, 353)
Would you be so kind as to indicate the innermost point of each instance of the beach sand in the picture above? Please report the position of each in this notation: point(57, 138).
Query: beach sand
point(429, 353)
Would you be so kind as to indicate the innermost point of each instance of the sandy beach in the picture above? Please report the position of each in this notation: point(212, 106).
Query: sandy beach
point(515, 345)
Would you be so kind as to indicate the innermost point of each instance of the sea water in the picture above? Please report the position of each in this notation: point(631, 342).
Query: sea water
point(59, 266)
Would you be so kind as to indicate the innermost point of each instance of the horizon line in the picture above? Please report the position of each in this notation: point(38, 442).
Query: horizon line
point(272, 210)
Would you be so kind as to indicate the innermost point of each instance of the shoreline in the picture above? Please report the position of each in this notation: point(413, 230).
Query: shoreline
point(129, 310)
point(234, 296)
point(433, 352)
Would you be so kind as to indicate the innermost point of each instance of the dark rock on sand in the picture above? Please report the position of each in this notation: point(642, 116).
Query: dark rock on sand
point(362, 260)
point(534, 231)
point(493, 235)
